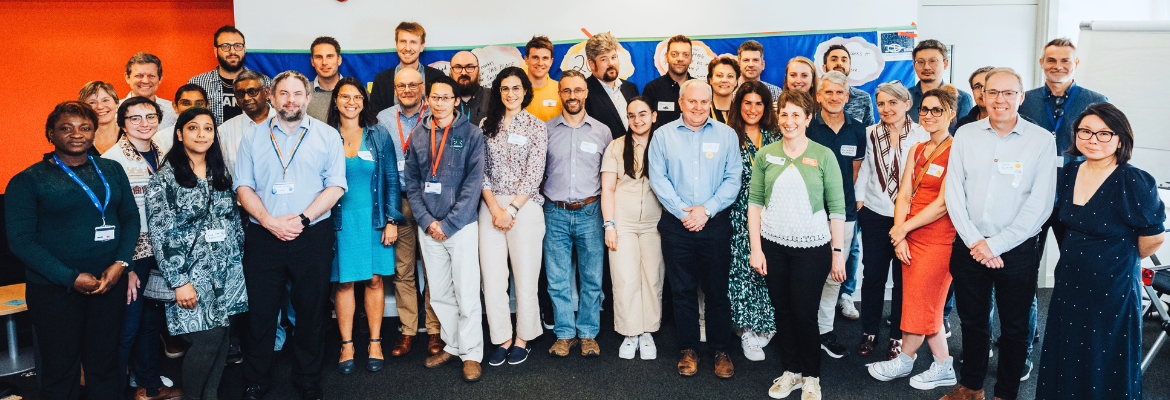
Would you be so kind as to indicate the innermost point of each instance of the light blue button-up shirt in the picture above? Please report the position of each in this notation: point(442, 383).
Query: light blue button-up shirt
point(390, 119)
point(689, 168)
point(319, 163)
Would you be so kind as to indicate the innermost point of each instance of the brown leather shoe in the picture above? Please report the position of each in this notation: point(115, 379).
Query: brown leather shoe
point(688, 363)
point(561, 347)
point(472, 371)
point(164, 393)
point(439, 359)
point(435, 344)
point(589, 348)
point(962, 393)
point(723, 366)
point(402, 347)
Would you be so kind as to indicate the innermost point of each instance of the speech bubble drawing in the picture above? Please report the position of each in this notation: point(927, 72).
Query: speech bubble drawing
point(701, 55)
point(575, 60)
point(865, 58)
point(492, 60)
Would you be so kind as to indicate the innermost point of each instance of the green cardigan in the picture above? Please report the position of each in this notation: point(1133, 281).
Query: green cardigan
point(818, 166)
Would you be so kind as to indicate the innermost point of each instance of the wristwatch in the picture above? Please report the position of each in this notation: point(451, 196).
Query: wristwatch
point(124, 264)
point(305, 220)
point(838, 250)
point(708, 213)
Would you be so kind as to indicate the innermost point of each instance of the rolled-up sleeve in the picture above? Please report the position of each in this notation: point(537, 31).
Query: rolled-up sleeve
point(244, 175)
point(334, 173)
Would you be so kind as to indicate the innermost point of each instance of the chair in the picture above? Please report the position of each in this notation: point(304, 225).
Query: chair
point(1157, 283)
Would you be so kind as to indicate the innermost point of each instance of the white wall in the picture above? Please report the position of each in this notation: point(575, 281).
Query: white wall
point(999, 33)
point(1070, 13)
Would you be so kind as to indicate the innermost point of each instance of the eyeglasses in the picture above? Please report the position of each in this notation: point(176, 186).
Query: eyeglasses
point(920, 63)
point(577, 91)
point(345, 98)
point(640, 114)
point(224, 47)
point(511, 89)
point(137, 119)
point(1102, 136)
point(991, 94)
point(443, 99)
point(467, 68)
point(404, 86)
point(937, 112)
point(253, 92)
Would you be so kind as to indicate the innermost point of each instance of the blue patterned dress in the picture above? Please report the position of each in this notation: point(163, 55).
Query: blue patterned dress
point(751, 307)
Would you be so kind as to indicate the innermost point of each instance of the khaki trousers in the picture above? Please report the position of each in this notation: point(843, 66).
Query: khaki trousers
point(406, 279)
point(637, 270)
point(524, 245)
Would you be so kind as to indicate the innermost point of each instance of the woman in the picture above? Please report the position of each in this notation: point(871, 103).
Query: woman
point(754, 120)
point(1092, 346)
point(922, 236)
point(103, 99)
point(723, 76)
point(631, 211)
point(198, 242)
point(977, 80)
point(796, 202)
point(878, 180)
point(364, 252)
point(511, 220)
point(138, 118)
point(71, 219)
point(800, 74)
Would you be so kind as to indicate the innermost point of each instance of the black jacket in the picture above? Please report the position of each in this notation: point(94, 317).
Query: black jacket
point(382, 93)
point(599, 106)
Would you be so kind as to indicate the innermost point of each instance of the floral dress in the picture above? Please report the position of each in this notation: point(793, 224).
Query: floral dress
point(751, 307)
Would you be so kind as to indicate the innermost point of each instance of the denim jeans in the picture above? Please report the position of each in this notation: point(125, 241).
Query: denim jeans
point(564, 230)
point(285, 309)
point(850, 284)
point(141, 326)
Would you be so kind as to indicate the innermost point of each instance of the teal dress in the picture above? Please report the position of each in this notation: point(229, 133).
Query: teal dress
point(360, 253)
point(751, 307)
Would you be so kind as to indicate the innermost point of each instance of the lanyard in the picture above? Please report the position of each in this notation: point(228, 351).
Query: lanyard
point(1072, 91)
point(101, 207)
point(406, 139)
point(276, 147)
point(442, 146)
point(150, 168)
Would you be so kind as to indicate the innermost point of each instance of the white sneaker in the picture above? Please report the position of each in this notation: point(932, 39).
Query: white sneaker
point(751, 346)
point(765, 338)
point(628, 348)
point(784, 385)
point(899, 367)
point(845, 303)
point(811, 389)
point(939, 374)
point(647, 349)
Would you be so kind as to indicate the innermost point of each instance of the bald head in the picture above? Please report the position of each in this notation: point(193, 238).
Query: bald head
point(408, 88)
point(695, 101)
point(465, 71)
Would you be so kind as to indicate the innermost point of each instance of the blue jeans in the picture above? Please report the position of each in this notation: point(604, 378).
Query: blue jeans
point(850, 284)
point(285, 309)
point(141, 326)
point(565, 229)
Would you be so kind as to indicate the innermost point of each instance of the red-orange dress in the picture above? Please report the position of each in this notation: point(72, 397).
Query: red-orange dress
point(927, 278)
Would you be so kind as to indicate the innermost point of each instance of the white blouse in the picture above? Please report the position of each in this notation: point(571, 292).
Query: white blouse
point(867, 187)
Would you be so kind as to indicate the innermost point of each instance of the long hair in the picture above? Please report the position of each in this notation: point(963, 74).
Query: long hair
point(628, 145)
point(217, 174)
point(768, 122)
point(366, 117)
point(496, 110)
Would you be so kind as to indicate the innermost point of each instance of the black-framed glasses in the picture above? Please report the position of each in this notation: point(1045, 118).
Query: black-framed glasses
point(253, 92)
point(224, 47)
point(935, 111)
point(467, 68)
point(442, 99)
point(137, 119)
point(1102, 136)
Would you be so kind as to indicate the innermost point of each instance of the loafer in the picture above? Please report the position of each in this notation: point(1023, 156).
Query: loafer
point(498, 356)
point(688, 363)
point(723, 366)
point(311, 391)
point(517, 354)
point(472, 371)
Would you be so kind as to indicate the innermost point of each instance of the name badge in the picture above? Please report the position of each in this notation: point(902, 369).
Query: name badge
point(710, 147)
point(433, 187)
point(401, 165)
point(809, 161)
point(666, 106)
point(589, 147)
point(283, 188)
point(1059, 162)
point(935, 170)
point(1010, 168)
point(103, 233)
point(775, 160)
point(549, 103)
point(366, 155)
point(849, 151)
point(517, 139)
point(215, 235)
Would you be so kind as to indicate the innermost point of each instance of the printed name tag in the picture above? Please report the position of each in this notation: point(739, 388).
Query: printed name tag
point(666, 106)
point(283, 188)
point(710, 147)
point(1059, 161)
point(401, 165)
point(849, 151)
point(589, 147)
point(103, 233)
point(517, 139)
point(1010, 167)
point(935, 170)
point(216, 235)
point(809, 161)
point(366, 155)
point(775, 160)
point(433, 187)
point(550, 103)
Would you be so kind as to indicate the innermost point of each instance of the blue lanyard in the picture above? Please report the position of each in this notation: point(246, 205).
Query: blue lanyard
point(101, 207)
point(1072, 92)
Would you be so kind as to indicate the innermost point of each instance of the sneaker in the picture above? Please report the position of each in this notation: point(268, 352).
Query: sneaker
point(765, 338)
point(498, 356)
point(867, 344)
point(751, 346)
point(831, 347)
point(517, 354)
point(947, 327)
point(646, 347)
point(939, 374)
point(1027, 371)
point(784, 385)
point(845, 305)
point(895, 349)
point(628, 348)
point(811, 389)
point(899, 367)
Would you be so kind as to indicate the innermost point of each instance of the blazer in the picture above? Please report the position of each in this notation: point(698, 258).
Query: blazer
point(385, 177)
point(382, 91)
point(600, 107)
point(1034, 109)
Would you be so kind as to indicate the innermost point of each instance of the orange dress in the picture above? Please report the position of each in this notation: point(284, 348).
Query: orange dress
point(927, 278)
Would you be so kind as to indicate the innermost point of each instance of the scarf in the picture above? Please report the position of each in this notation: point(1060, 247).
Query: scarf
point(888, 167)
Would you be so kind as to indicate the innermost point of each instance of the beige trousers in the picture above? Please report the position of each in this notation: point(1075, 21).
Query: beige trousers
point(523, 244)
point(406, 279)
point(637, 270)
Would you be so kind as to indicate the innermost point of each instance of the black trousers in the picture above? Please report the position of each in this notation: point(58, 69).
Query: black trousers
point(73, 330)
point(1015, 286)
point(269, 263)
point(204, 362)
point(795, 279)
point(699, 260)
point(877, 262)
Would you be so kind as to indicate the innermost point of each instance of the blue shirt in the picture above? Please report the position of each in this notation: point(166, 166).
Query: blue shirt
point(390, 119)
point(689, 168)
point(965, 104)
point(319, 163)
point(848, 145)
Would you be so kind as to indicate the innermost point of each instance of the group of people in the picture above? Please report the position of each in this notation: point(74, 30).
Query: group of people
point(746, 199)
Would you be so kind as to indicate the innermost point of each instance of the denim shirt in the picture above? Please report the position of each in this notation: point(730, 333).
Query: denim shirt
point(386, 197)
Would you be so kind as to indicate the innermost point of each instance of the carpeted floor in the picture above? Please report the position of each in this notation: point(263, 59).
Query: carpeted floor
point(610, 377)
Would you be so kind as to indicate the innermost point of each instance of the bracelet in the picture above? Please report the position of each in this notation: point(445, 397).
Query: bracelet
point(514, 207)
point(512, 213)
point(609, 225)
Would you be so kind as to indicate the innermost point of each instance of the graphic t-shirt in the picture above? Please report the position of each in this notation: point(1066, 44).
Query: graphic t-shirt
point(230, 108)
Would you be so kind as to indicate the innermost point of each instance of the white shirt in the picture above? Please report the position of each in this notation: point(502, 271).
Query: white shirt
point(867, 188)
point(619, 100)
point(232, 132)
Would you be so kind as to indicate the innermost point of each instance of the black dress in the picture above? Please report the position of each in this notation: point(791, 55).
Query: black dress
point(1092, 346)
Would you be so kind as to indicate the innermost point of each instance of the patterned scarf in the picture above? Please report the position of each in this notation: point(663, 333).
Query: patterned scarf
point(888, 165)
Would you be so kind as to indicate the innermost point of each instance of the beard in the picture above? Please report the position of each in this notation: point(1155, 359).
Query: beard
point(468, 86)
point(610, 75)
point(841, 70)
point(226, 66)
point(291, 116)
point(574, 108)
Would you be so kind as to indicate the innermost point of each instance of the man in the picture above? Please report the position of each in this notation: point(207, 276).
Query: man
point(538, 56)
point(444, 181)
point(997, 208)
point(751, 62)
point(859, 107)
point(143, 74)
point(400, 121)
point(930, 61)
point(576, 145)
point(608, 93)
point(325, 55)
point(695, 172)
point(409, 40)
point(662, 92)
point(252, 96)
point(289, 174)
point(473, 99)
point(845, 136)
point(187, 96)
point(230, 51)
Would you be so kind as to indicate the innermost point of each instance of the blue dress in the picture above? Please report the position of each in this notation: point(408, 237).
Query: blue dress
point(1092, 346)
point(360, 253)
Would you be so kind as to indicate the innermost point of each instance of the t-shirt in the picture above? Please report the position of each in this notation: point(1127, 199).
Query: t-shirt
point(230, 107)
point(151, 157)
point(546, 101)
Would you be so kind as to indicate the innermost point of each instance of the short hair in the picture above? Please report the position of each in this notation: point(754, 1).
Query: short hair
point(1005, 70)
point(930, 44)
point(329, 40)
point(144, 58)
point(412, 28)
point(725, 60)
point(290, 74)
point(93, 87)
point(70, 107)
point(227, 29)
point(135, 101)
point(538, 42)
point(1115, 120)
point(798, 98)
point(893, 89)
point(447, 80)
point(811, 67)
point(768, 121)
point(981, 70)
point(247, 75)
point(834, 76)
point(750, 45)
point(948, 95)
point(191, 87)
point(367, 117)
point(572, 73)
point(689, 82)
point(599, 44)
point(1064, 42)
point(678, 39)
point(825, 57)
